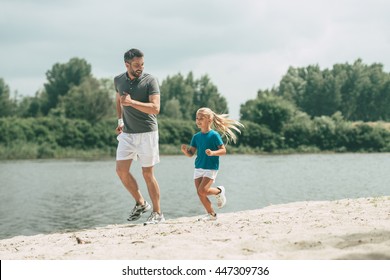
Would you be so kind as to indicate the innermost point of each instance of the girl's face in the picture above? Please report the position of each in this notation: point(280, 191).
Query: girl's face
point(203, 121)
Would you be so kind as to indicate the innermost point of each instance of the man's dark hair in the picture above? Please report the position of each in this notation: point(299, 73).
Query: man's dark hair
point(130, 54)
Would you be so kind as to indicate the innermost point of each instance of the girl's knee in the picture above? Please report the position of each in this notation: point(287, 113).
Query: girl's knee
point(202, 192)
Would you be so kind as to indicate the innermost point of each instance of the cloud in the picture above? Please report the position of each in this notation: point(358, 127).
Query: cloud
point(243, 45)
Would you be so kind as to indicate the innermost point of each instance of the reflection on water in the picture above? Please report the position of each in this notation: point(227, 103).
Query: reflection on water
point(64, 195)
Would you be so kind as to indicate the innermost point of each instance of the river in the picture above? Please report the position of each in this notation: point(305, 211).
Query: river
point(45, 196)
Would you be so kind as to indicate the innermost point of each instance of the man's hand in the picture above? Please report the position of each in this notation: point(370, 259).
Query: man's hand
point(126, 99)
point(119, 130)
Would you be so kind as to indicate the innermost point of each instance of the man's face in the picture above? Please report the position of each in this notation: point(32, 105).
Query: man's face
point(135, 66)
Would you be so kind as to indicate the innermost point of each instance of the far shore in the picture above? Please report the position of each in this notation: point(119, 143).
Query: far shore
point(320, 230)
point(32, 151)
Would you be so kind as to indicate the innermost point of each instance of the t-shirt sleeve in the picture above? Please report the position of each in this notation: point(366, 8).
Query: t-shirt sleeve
point(115, 86)
point(193, 142)
point(218, 139)
point(153, 87)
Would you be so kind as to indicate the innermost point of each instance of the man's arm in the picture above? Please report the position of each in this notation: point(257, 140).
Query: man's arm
point(119, 113)
point(152, 107)
point(118, 106)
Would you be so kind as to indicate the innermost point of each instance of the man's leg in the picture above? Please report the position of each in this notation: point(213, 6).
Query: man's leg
point(123, 171)
point(153, 187)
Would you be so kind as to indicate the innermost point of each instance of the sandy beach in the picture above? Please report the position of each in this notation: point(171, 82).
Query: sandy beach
point(344, 229)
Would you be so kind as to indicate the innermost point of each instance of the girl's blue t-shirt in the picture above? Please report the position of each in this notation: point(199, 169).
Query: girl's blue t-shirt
point(203, 141)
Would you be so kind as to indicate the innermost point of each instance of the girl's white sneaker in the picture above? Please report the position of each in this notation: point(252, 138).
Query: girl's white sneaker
point(208, 217)
point(221, 198)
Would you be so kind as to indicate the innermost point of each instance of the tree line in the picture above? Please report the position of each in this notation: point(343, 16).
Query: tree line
point(72, 92)
point(310, 110)
point(360, 92)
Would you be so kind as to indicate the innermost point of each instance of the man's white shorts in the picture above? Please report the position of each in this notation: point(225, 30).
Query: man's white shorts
point(209, 173)
point(142, 146)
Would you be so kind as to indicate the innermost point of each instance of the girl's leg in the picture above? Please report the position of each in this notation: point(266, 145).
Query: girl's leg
point(203, 188)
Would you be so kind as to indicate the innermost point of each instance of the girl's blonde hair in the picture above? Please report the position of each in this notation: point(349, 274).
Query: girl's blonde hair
point(222, 123)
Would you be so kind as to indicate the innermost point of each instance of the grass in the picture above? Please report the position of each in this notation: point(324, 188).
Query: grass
point(44, 151)
point(36, 151)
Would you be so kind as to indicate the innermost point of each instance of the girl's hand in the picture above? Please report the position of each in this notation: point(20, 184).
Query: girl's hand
point(188, 150)
point(209, 152)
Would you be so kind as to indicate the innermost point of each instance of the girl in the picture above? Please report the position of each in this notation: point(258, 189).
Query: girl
point(209, 146)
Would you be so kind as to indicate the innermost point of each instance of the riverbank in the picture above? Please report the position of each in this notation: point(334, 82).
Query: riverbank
point(343, 229)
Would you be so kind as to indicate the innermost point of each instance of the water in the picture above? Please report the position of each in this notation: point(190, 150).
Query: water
point(64, 195)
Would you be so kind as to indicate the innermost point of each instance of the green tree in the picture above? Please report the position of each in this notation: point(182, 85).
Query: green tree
point(30, 107)
point(371, 94)
point(268, 109)
point(358, 91)
point(181, 89)
point(384, 105)
point(207, 95)
point(7, 106)
point(91, 101)
point(172, 109)
point(190, 95)
point(293, 85)
point(314, 91)
point(61, 78)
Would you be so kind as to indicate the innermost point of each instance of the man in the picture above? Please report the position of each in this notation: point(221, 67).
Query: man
point(137, 104)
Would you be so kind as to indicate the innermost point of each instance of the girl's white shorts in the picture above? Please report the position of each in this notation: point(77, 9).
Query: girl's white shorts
point(142, 146)
point(209, 173)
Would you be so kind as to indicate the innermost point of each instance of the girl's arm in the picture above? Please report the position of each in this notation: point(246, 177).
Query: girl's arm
point(220, 152)
point(188, 150)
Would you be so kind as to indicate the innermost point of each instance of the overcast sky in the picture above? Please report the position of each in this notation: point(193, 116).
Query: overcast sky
point(243, 45)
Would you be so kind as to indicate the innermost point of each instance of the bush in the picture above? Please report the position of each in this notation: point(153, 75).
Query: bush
point(299, 132)
point(365, 137)
point(258, 136)
point(176, 132)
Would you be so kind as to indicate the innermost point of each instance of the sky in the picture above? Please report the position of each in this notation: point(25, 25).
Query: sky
point(243, 45)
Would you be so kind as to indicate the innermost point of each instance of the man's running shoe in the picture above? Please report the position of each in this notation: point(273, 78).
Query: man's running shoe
point(221, 198)
point(155, 218)
point(138, 210)
point(208, 217)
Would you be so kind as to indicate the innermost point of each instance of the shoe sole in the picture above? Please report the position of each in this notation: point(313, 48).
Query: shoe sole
point(139, 216)
point(222, 205)
point(150, 223)
point(206, 220)
point(224, 196)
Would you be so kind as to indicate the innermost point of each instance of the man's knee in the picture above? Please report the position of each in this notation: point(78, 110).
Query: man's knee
point(122, 169)
point(147, 172)
point(122, 172)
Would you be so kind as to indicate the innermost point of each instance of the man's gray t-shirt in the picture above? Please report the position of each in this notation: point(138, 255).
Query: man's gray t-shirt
point(139, 89)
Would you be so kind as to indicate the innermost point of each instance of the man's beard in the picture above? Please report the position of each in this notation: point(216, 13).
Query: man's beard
point(136, 73)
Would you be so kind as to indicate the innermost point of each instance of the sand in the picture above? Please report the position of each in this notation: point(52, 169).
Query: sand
point(321, 230)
